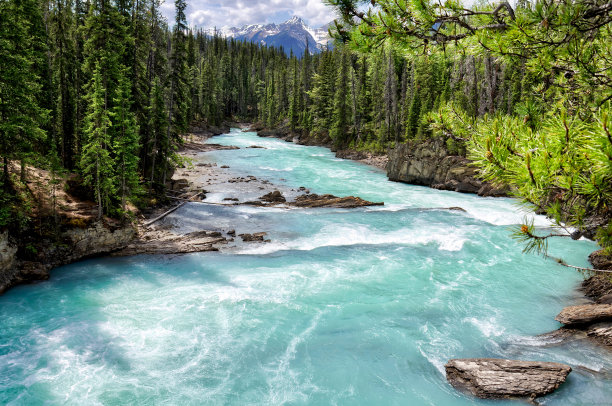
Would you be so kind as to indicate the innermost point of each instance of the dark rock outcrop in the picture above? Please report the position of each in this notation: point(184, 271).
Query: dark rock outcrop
point(597, 286)
point(75, 244)
point(429, 163)
point(601, 332)
point(500, 378)
point(585, 314)
point(601, 260)
point(255, 237)
point(273, 197)
point(349, 202)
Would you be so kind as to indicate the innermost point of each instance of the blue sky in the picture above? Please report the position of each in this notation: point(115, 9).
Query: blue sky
point(236, 13)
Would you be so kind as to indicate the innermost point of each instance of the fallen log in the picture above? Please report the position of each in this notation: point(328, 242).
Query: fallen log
point(161, 216)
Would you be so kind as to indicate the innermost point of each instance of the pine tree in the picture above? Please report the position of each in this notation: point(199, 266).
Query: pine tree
point(179, 97)
point(340, 118)
point(295, 98)
point(21, 116)
point(414, 115)
point(390, 97)
point(96, 161)
point(126, 143)
point(158, 125)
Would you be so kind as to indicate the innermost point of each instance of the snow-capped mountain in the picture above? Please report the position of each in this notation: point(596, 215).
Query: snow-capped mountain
point(292, 35)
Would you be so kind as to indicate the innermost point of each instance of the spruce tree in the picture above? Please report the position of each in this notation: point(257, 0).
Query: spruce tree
point(179, 104)
point(21, 116)
point(126, 143)
point(340, 118)
point(158, 123)
point(295, 97)
point(96, 162)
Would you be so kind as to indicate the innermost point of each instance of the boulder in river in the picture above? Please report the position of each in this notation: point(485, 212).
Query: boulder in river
point(348, 202)
point(273, 197)
point(253, 237)
point(602, 332)
point(585, 314)
point(501, 378)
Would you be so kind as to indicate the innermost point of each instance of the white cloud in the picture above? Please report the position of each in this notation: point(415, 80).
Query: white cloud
point(236, 13)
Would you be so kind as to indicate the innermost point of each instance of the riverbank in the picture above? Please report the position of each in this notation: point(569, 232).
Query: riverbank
point(30, 257)
point(407, 287)
point(62, 227)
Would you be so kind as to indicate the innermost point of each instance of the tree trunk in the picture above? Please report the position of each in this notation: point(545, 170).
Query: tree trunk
point(22, 174)
point(6, 173)
point(98, 192)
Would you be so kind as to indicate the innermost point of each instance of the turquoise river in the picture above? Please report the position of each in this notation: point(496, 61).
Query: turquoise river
point(342, 307)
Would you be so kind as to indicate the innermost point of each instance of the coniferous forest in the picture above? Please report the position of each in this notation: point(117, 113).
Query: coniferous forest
point(106, 89)
point(205, 257)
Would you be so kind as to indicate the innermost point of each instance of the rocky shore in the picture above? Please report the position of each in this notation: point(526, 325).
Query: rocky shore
point(82, 237)
point(216, 184)
point(74, 245)
point(430, 163)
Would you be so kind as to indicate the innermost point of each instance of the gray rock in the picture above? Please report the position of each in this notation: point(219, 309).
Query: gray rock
point(585, 314)
point(7, 252)
point(605, 299)
point(430, 163)
point(253, 237)
point(602, 332)
point(500, 378)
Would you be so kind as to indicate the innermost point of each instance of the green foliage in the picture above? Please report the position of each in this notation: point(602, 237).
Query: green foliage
point(96, 163)
point(561, 164)
point(528, 95)
point(125, 145)
point(340, 117)
point(21, 116)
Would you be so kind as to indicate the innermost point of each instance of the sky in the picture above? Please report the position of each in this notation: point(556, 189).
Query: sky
point(236, 13)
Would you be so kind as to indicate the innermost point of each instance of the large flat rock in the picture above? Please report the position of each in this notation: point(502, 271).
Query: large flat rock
point(500, 378)
point(585, 314)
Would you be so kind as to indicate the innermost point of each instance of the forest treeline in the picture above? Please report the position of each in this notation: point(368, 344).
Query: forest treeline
point(536, 114)
point(106, 89)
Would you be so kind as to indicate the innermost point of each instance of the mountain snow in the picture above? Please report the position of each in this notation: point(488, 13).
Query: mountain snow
point(292, 35)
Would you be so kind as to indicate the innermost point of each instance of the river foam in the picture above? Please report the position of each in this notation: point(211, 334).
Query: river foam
point(356, 307)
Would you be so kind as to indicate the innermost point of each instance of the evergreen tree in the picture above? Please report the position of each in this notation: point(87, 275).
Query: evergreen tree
point(339, 128)
point(178, 109)
point(158, 124)
point(126, 143)
point(21, 116)
point(96, 161)
point(295, 97)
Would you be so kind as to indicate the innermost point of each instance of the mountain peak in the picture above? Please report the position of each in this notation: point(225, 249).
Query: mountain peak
point(292, 35)
point(295, 20)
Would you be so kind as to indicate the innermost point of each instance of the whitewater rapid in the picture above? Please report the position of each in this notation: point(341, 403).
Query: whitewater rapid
point(342, 307)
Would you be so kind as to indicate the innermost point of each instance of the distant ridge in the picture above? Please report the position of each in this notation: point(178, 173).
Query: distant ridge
point(292, 35)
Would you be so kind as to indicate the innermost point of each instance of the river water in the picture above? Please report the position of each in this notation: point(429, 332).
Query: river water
point(342, 307)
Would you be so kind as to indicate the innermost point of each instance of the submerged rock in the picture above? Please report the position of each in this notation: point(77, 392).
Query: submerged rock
point(585, 314)
point(500, 378)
